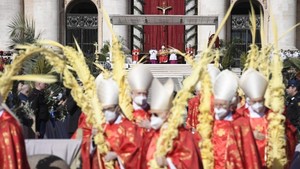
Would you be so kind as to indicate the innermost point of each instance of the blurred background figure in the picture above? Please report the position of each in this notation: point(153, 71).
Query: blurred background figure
point(40, 107)
point(74, 113)
point(293, 102)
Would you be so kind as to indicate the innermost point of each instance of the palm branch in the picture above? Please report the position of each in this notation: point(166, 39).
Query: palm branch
point(22, 31)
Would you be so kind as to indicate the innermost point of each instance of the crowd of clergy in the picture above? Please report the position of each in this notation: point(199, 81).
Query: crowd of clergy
point(239, 135)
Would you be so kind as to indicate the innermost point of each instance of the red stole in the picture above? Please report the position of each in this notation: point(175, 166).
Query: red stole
point(185, 153)
point(192, 116)
point(146, 134)
point(124, 139)
point(193, 111)
point(261, 125)
point(12, 153)
point(141, 114)
point(86, 141)
point(163, 56)
point(234, 145)
point(135, 54)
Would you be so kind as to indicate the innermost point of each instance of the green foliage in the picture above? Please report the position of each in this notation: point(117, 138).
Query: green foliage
point(229, 54)
point(291, 68)
point(243, 59)
point(292, 62)
point(104, 51)
point(22, 31)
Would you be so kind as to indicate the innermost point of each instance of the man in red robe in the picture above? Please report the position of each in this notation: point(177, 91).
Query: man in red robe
point(190, 50)
point(12, 152)
point(185, 153)
point(163, 55)
point(254, 86)
point(233, 142)
point(140, 79)
point(194, 103)
point(123, 137)
point(135, 55)
point(84, 131)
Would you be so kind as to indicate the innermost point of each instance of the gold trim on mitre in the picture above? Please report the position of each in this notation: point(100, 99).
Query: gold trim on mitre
point(253, 83)
point(140, 78)
point(161, 95)
point(213, 72)
point(226, 85)
point(107, 91)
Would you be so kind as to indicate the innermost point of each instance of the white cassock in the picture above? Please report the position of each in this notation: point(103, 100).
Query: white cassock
point(153, 54)
point(173, 56)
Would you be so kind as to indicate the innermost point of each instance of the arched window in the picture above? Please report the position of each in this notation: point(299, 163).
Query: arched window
point(82, 24)
point(240, 31)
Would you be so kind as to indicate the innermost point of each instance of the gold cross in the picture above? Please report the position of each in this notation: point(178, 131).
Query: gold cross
point(164, 8)
point(96, 47)
point(96, 52)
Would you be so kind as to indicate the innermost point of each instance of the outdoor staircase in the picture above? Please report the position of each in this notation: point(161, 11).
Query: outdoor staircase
point(177, 72)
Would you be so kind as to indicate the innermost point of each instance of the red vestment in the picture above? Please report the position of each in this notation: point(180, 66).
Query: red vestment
point(86, 141)
point(234, 145)
point(185, 153)
point(135, 55)
point(261, 125)
point(13, 153)
point(146, 134)
point(193, 112)
point(125, 140)
point(163, 56)
point(2, 64)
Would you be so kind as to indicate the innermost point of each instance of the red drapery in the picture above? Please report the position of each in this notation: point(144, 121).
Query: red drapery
point(156, 36)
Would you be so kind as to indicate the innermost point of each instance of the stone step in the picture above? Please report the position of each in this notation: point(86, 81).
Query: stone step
point(177, 72)
point(168, 70)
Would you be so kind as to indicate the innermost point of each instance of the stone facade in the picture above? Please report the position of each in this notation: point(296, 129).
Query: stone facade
point(49, 17)
point(8, 10)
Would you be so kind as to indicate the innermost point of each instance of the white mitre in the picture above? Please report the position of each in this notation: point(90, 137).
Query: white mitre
point(226, 86)
point(161, 95)
point(107, 91)
point(140, 78)
point(253, 83)
point(213, 73)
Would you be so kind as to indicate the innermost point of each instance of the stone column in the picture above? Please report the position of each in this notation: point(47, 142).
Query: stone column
point(100, 24)
point(116, 7)
point(8, 10)
point(284, 13)
point(138, 29)
point(46, 15)
point(211, 8)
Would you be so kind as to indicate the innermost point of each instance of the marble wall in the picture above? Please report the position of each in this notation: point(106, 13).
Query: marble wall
point(8, 10)
point(46, 16)
point(284, 13)
point(210, 8)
